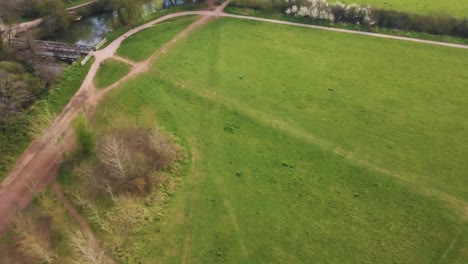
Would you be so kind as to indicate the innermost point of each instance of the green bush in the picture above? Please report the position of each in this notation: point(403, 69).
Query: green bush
point(84, 135)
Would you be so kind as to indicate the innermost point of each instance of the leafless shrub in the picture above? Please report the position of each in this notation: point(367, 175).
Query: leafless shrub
point(128, 159)
point(115, 156)
point(85, 251)
point(33, 240)
point(164, 148)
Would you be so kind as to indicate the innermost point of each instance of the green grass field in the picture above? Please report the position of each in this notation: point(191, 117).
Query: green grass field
point(457, 8)
point(110, 71)
point(327, 147)
point(140, 46)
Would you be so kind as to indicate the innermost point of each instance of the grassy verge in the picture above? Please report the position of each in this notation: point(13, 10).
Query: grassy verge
point(110, 71)
point(284, 17)
point(17, 137)
point(140, 46)
point(298, 149)
point(120, 31)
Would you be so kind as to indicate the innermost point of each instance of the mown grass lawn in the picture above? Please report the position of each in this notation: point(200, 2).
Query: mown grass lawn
point(140, 46)
point(307, 146)
point(110, 71)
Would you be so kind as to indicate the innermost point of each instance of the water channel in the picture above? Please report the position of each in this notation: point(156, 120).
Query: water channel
point(91, 29)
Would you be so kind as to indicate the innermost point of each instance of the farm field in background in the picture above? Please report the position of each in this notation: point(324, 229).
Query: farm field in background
point(306, 145)
point(456, 8)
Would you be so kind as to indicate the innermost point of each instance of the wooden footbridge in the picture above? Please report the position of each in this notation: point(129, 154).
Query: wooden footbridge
point(60, 50)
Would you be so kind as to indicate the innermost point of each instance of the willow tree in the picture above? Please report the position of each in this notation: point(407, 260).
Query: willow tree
point(130, 11)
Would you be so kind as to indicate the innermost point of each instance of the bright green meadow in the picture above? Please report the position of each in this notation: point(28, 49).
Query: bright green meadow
point(110, 71)
point(140, 46)
point(306, 146)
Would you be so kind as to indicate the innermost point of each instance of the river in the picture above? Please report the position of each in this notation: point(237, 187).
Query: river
point(91, 29)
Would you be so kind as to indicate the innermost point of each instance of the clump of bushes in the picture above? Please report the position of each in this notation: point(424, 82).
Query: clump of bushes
point(18, 90)
point(129, 161)
point(84, 135)
point(132, 167)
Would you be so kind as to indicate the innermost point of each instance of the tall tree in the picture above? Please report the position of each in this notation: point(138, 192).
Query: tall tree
point(34, 241)
point(129, 10)
point(115, 156)
point(17, 89)
point(55, 10)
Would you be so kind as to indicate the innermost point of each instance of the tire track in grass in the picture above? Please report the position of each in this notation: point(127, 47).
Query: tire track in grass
point(450, 247)
point(195, 173)
point(233, 218)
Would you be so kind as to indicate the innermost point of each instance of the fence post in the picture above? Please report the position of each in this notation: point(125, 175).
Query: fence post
point(85, 60)
point(100, 44)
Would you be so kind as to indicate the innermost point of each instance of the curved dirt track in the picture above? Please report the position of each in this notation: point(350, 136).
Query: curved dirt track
point(378, 35)
point(39, 163)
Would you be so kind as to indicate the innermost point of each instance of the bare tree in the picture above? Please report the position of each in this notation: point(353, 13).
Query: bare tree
point(33, 241)
point(86, 172)
point(115, 156)
point(85, 251)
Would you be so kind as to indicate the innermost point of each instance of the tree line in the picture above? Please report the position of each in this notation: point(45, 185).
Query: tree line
point(337, 12)
point(56, 15)
point(22, 81)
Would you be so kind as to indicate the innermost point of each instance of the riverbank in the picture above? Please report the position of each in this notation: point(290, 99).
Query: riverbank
point(16, 139)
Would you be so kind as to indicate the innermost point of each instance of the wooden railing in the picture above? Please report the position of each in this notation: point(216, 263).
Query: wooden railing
point(100, 44)
point(86, 59)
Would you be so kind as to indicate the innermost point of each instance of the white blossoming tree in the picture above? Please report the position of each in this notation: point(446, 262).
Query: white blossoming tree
point(322, 10)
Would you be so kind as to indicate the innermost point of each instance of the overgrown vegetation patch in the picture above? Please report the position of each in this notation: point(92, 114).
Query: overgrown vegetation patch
point(29, 123)
point(122, 185)
point(46, 233)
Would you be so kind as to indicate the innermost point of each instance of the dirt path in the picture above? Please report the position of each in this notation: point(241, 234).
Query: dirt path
point(124, 60)
point(40, 161)
point(57, 190)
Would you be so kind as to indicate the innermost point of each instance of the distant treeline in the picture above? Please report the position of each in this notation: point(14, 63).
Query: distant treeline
point(337, 12)
point(435, 24)
point(58, 19)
